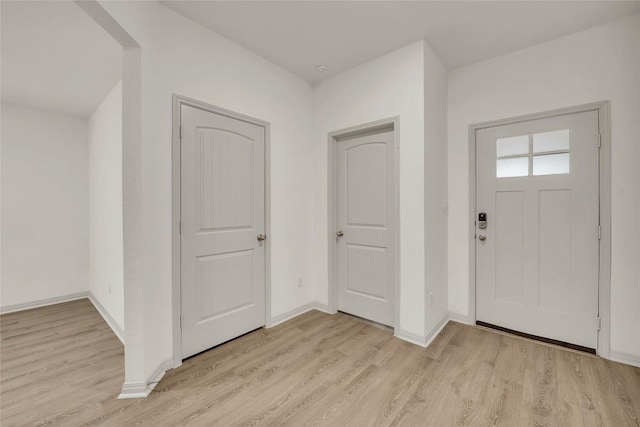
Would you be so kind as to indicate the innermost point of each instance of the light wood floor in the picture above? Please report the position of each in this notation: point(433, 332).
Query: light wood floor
point(61, 365)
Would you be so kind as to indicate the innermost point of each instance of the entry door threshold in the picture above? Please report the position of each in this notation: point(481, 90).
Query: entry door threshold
point(537, 338)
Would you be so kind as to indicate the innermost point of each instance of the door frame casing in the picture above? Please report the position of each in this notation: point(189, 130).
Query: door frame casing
point(176, 292)
point(604, 179)
point(332, 139)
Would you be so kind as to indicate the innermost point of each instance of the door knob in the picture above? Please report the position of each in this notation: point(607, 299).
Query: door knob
point(261, 237)
point(340, 233)
point(482, 237)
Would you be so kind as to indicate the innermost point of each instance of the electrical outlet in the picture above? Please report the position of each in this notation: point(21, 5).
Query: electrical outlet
point(300, 282)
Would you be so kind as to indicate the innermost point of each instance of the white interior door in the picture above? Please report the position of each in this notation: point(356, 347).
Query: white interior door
point(537, 260)
point(365, 219)
point(222, 204)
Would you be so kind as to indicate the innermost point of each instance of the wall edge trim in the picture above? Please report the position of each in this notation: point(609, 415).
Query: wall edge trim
point(281, 318)
point(410, 337)
point(435, 331)
point(140, 390)
point(117, 330)
point(459, 318)
point(423, 341)
point(43, 302)
point(624, 357)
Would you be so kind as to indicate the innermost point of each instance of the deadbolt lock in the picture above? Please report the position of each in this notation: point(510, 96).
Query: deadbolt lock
point(482, 220)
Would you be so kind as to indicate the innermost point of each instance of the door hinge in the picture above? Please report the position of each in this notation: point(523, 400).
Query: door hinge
point(599, 232)
point(599, 140)
point(599, 323)
point(180, 132)
point(181, 321)
point(180, 226)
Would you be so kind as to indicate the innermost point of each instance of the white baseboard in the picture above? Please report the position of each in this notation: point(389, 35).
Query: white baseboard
point(281, 318)
point(43, 302)
point(420, 340)
point(323, 308)
point(159, 373)
point(436, 329)
point(460, 318)
point(142, 390)
point(626, 358)
point(410, 337)
point(134, 391)
point(117, 330)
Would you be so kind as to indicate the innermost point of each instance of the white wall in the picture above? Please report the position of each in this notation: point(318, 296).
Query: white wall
point(181, 57)
point(105, 206)
point(435, 186)
point(392, 85)
point(594, 65)
point(45, 237)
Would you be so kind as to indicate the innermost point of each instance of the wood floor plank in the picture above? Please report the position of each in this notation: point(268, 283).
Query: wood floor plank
point(313, 390)
point(502, 404)
point(62, 365)
point(439, 344)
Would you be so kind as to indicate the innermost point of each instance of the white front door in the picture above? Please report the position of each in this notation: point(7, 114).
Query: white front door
point(365, 219)
point(537, 259)
point(222, 212)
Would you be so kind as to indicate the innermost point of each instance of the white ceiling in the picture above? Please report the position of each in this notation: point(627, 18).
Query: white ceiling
point(54, 57)
point(342, 34)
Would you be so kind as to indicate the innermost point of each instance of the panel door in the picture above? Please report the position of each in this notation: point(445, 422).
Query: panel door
point(365, 216)
point(537, 260)
point(223, 262)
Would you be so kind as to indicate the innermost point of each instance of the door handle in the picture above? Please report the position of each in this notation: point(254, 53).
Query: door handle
point(482, 237)
point(261, 237)
point(340, 233)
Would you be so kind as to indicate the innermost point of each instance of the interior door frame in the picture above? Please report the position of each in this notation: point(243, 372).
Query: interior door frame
point(333, 137)
point(176, 294)
point(604, 279)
